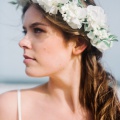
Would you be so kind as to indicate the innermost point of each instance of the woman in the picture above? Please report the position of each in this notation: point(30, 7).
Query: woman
point(64, 40)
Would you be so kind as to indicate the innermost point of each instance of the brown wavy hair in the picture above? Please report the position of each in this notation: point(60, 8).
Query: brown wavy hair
point(97, 87)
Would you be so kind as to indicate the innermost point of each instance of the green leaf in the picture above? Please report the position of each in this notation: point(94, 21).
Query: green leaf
point(107, 44)
point(13, 2)
point(114, 40)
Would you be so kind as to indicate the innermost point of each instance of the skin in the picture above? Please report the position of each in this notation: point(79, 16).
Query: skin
point(47, 54)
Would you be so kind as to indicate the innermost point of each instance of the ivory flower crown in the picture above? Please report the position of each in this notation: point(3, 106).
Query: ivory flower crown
point(92, 18)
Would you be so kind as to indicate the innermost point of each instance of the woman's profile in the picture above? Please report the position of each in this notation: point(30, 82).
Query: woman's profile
point(65, 40)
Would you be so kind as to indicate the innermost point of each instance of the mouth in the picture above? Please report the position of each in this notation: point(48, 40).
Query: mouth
point(28, 57)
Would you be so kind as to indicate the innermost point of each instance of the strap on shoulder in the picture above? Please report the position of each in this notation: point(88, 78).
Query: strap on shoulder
point(19, 105)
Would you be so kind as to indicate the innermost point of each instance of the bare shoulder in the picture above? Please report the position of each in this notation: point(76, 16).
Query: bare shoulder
point(8, 105)
point(34, 93)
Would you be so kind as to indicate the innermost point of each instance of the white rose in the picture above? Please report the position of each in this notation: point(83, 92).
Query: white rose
point(96, 14)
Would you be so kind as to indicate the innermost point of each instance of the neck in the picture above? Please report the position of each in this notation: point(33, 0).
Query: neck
point(64, 87)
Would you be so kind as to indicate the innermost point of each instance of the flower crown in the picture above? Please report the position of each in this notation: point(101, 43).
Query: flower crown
point(76, 15)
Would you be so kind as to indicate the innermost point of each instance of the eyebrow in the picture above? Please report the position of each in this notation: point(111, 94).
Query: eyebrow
point(35, 24)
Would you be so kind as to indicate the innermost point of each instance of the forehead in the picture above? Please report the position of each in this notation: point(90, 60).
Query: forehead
point(33, 15)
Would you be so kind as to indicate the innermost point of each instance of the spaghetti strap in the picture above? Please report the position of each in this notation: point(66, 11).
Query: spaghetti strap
point(19, 105)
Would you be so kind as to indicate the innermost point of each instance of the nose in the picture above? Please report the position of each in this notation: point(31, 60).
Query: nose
point(25, 43)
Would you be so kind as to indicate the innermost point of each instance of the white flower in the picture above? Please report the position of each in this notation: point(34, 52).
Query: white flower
point(96, 15)
point(101, 39)
point(50, 6)
point(101, 33)
point(73, 15)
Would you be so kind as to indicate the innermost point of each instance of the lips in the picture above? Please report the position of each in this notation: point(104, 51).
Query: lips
point(28, 57)
point(28, 60)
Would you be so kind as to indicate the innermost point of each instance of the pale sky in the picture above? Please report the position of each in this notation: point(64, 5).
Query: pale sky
point(11, 62)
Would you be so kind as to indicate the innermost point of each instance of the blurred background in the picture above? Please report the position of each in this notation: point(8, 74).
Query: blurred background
point(12, 75)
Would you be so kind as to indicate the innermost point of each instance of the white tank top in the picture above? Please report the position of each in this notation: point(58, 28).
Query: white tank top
point(19, 105)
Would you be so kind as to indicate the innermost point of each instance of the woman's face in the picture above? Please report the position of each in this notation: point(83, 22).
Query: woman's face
point(45, 50)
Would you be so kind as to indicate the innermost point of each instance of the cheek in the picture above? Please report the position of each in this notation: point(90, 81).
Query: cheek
point(53, 55)
point(49, 61)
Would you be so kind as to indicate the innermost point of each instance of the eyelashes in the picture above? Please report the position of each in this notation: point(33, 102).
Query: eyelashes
point(37, 30)
point(34, 30)
point(24, 32)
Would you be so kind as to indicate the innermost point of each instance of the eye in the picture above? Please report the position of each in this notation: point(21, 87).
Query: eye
point(37, 30)
point(24, 32)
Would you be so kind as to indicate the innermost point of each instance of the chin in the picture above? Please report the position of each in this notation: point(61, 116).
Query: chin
point(34, 74)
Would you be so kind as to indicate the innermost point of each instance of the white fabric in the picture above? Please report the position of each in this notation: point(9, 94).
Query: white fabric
point(19, 105)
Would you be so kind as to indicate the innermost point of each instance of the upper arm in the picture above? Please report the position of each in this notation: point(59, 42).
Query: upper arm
point(8, 106)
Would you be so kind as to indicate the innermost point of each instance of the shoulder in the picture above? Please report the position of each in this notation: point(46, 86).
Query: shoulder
point(8, 105)
point(33, 94)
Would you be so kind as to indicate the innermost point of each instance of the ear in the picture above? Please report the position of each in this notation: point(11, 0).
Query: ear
point(80, 46)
